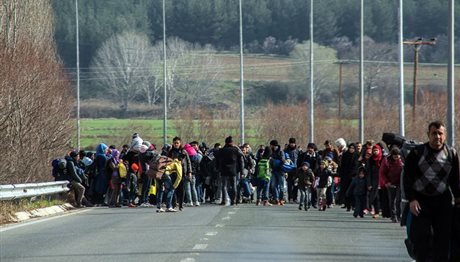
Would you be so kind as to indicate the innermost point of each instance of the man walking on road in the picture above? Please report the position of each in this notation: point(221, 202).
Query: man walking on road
point(230, 162)
point(430, 170)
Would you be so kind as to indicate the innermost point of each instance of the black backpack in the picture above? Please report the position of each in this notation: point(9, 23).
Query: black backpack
point(59, 169)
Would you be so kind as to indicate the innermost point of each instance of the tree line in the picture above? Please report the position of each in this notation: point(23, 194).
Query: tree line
point(216, 22)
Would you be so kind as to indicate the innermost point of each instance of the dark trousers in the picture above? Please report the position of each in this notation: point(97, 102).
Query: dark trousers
point(360, 204)
point(455, 246)
point(394, 201)
point(431, 230)
point(292, 188)
point(343, 198)
point(373, 198)
point(146, 183)
point(179, 193)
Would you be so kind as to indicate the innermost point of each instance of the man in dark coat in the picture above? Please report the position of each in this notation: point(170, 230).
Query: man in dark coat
point(230, 162)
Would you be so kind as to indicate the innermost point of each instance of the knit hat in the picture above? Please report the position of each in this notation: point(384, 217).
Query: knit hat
point(274, 143)
point(311, 145)
point(73, 154)
point(143, 149)
point(306, 164)
point(135, 135)
point(135, 167)
point(291, 140)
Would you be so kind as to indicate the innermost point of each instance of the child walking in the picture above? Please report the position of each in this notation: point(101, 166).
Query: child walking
point(305, 178)
point(324, 177)
point(358, 189)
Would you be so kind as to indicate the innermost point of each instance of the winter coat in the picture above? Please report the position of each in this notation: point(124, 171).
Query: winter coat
point(229, 160)
point(390, 171)
point(349, 166)
point(305, 178)
point(358, 187)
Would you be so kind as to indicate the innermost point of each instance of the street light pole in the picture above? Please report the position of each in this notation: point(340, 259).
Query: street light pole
point(165, 98)
point(451, 77)
point(241, 75)
point(361, 74)
point(78, 74)
point(401, 71)
point(417, 44)
point(312, 95)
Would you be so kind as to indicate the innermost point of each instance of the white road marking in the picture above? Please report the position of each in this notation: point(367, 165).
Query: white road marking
point(231, 212)
point(211, 233)
point(204, 239)
point(226, 218)
point(220, 225)
point(200, 246)
point(188, 259)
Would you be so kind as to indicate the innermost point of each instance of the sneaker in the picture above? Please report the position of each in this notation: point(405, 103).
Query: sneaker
point(300, 207)
point(188, 204)
point(197, 204)
point(257, 202)
point(160, 210)
point(375, 216)
point(132, 205)
point(171, 210)
point(266, 203)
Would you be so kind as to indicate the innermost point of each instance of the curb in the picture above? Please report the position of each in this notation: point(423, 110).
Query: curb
point(42, 212)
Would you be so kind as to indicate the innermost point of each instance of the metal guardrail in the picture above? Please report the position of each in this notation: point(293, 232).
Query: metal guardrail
point(15, 191)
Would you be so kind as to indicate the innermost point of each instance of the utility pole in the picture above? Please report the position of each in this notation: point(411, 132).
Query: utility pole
point(78, 74)
point(165, 94)
point(451, 77)
point(417, 45)
point(241, 75)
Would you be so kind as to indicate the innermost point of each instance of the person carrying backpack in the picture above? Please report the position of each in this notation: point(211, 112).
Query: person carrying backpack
point(263, 174)
point(431, 177)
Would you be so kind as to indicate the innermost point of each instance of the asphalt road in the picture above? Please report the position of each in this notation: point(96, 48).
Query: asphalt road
point(206, 233)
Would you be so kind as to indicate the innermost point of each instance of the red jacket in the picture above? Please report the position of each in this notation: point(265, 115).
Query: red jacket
point(390, 171)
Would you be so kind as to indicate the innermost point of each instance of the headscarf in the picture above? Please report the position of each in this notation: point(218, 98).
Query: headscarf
point(100, 149)
point(115, 156)
point(377, 158)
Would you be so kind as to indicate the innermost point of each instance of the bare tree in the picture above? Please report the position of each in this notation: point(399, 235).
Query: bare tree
point(192, 72)
point(35, 98)
point(123, 66)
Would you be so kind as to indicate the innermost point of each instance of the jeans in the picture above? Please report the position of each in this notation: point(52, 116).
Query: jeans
point(229, 187)
point(278, 181)
point(305, 196)
point(165, 187)
point(262, 189)
point(199, 189)
point(244, 185)
point(190, 190)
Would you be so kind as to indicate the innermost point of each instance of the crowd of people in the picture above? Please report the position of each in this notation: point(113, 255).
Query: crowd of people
point(362, 179)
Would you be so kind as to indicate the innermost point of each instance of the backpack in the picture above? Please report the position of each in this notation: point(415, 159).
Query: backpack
point(158, 167)
point(59, 168)
point(263, 169)
point(122, 170)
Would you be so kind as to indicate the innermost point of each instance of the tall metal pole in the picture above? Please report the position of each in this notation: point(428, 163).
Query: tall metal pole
point(451, 77)
point(312, 95)
point(361, 75)
point(414, 90)
point(241, 75)
point(401, 71)
point(78, 75)
point(165, 98)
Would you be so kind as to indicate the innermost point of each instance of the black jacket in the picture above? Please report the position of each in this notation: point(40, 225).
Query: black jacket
point(229, 160)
